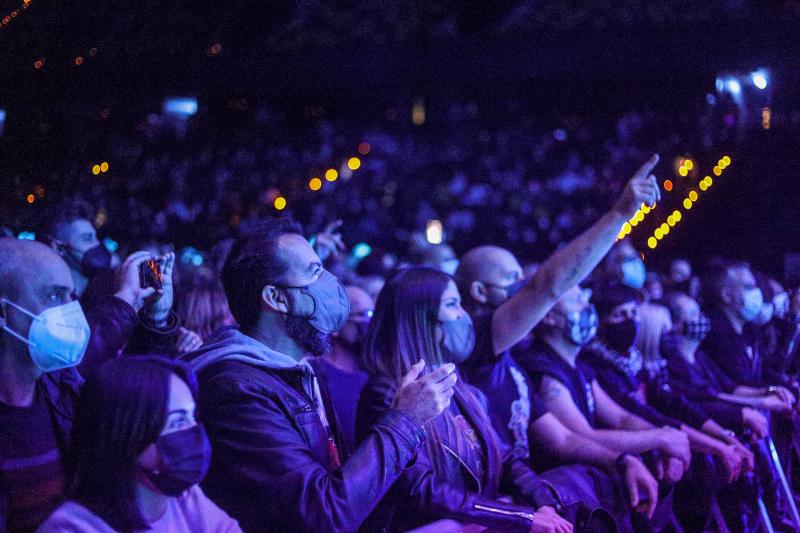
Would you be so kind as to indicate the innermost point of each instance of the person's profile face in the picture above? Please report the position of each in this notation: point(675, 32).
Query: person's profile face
point(450, 304)
point(46, 283)
point(80, 235)
point(180, 416)
point(303, 267)
point(623, 312)
point(739, 282)
point(180, 407)
point(506, 271)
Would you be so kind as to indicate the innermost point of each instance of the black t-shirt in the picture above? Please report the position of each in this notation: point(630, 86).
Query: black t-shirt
point(633, 394)
point(540, 360)
point(736, 355)
point(513, 402)
point(30, 463)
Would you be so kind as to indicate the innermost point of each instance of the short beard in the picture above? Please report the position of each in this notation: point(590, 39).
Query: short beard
point(307, 336)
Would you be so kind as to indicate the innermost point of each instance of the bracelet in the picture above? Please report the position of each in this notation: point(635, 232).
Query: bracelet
point(772, 389)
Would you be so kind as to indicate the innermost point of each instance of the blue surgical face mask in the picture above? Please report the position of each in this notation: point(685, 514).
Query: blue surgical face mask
point(57, 337)
point(752, 300)
point(331, 305)
point(633, 273)
point(458, 339)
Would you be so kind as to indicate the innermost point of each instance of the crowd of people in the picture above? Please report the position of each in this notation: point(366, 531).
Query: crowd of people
point(495, 170)
point(279, 386)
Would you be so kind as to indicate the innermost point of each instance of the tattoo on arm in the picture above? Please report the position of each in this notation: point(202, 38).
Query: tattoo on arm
point(572, 279)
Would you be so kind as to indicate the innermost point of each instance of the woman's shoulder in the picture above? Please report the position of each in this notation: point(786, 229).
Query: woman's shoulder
point(199, 513)
point(72, 517)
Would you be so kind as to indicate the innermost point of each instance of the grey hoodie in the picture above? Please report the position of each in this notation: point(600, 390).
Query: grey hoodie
point(230, 344)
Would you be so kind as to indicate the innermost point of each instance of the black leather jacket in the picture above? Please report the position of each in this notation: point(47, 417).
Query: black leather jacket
point(271, 466)
point(421, 496)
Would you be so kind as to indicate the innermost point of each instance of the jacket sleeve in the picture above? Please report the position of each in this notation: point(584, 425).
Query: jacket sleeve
point(521, 482)
point(726, 414)
point(149, 339)
point(419, 487)
point(112, 321)
point(260, 449)
point(621, 392)
point(667, 400)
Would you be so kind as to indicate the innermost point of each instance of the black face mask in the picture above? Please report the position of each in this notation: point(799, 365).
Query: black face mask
point(185, 455)
point(621, 336)
point(95, 260)
point(510, 290)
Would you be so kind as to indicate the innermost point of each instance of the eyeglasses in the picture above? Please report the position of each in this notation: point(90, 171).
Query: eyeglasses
point(364, 315)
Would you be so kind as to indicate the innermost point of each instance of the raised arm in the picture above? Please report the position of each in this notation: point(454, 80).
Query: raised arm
point(568, 266)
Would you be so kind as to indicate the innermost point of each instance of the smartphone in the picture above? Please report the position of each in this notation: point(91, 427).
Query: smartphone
point(150, 274)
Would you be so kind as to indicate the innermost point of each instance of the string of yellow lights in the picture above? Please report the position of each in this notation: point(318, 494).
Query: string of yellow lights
point(688, 202)
point(316, 183)
point(5, 21)
point(683, 169)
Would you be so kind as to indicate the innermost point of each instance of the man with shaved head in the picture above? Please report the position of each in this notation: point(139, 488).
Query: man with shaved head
point(44, 335)
point(505, 307)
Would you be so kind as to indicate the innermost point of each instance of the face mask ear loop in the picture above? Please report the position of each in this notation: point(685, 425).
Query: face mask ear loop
point(11, 331)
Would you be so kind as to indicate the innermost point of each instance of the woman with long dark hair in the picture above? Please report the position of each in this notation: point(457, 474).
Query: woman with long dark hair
point(461, 473)
point(137, 454)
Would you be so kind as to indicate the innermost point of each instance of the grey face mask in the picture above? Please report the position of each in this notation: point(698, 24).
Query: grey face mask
point(458, 339)
point(331, 305)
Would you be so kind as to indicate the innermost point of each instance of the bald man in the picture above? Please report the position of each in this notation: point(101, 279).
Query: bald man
point(505, 308)
point(44, 335)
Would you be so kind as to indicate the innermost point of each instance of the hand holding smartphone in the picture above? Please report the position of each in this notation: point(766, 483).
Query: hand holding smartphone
point(150, 274)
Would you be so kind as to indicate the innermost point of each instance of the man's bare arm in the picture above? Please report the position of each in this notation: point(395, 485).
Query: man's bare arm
point(568, 266)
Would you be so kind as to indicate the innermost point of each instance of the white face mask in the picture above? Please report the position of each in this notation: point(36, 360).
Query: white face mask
point(57, 338)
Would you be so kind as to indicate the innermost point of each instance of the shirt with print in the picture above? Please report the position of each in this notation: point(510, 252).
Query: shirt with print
point(513, 403)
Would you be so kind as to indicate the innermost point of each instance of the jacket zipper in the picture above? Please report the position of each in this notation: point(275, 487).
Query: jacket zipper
point(466, 466)
point(521, 514)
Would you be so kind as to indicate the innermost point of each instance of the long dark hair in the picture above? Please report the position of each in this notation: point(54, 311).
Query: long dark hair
point(403, 331)
point(121, 410)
